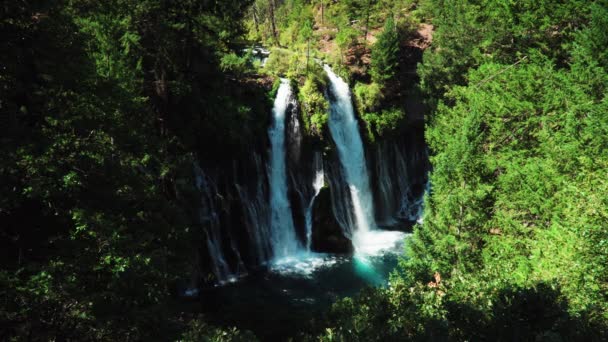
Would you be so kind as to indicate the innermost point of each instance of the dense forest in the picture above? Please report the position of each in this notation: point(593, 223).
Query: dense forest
point(106, 105)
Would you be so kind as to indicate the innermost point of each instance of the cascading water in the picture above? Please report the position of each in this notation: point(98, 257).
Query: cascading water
point(412, 207)
point(317, 184)
point(398, 183)
point(256, 214)
point(209, 218)
point(344, 130)
point(261, 213)
point(283, 236)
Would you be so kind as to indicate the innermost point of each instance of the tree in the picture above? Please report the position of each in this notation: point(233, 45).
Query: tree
point(385, 54)
point(306, 34)
point(346, 37)
point(367, 17)
point(92, 152)
point(272, 9)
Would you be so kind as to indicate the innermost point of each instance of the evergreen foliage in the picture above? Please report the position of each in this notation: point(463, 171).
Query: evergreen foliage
point(385, 55)
point(105, 106)
point(513, 241)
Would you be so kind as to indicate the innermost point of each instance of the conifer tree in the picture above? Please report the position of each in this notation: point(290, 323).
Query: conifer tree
point(385, 54)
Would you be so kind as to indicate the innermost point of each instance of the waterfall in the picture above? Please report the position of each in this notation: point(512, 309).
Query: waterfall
point(393, 183)
point(209, 218)
point(262, 212)
point(256, 214)
point(399, 192)
point(412, 207)
point(389, 194)
point(344, 130)
point(283, 235)
point(317, 183)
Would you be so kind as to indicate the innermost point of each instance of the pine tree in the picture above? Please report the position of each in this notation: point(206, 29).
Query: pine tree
point(385, 54)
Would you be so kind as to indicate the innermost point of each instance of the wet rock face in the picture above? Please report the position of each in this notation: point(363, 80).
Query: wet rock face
point(294, 134)
point(398, 168)
point(327, 236)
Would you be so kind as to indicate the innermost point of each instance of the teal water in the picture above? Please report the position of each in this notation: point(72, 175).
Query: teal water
point(281, 301)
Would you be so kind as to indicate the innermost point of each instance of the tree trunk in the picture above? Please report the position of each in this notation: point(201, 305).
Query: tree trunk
point(254, 11)
point(322, 12)
point(271, 6)
point(367, 23)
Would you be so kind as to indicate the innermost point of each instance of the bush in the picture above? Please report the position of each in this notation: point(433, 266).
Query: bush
point(278, 62)
point(346, 38)
point(285, 63)
point(368, 96)
point(232, 63)
point(383, 122)
point(313, 102)
point(198, 330)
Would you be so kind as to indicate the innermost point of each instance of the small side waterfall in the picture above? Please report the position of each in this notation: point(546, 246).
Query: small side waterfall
point(392, 182)
point(256, 214)
point(317, 184)
point(209, 218)
point(399, 179)
point(283, 235)
point(412, 207)
point(344, 130)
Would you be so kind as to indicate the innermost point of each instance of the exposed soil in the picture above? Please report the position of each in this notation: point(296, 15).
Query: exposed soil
point(425, 32)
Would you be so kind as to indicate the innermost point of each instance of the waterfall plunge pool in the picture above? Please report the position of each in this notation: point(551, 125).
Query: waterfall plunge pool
point(297, 287)
point(283, 299)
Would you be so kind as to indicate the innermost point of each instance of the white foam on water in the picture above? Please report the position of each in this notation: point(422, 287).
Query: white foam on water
point(304, 264)
point(378, 242)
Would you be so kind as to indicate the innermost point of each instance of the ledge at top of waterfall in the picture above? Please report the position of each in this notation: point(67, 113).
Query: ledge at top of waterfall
point(367, 238)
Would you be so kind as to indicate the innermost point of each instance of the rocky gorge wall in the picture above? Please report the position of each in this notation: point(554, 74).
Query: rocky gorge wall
point(230, 200)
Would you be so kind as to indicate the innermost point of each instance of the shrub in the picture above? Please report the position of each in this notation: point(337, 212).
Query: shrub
point(232, 63)
point(368, 96)
point(313, 102)
point(199, 330)
point(285, 63)
point(386, 120)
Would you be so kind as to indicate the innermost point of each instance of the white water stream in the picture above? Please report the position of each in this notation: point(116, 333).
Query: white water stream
point(283, 236)
point(366, 237)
